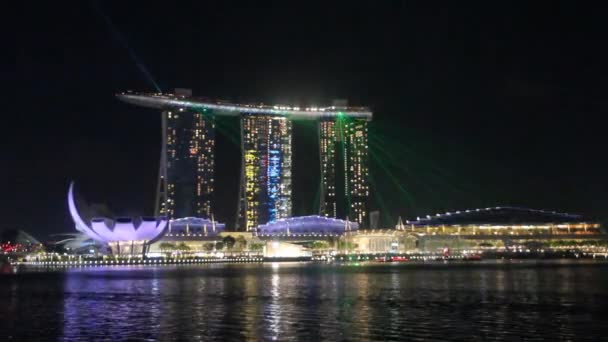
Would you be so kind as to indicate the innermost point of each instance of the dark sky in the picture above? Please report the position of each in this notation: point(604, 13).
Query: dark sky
point(475, 104)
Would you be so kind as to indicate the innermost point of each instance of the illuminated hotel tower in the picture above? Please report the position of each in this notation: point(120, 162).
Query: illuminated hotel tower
point(265, 193)
point(186, 170)
point(344, 168)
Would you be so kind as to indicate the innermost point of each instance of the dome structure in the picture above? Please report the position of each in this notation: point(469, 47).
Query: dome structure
point(307, 225)
point(125, 235)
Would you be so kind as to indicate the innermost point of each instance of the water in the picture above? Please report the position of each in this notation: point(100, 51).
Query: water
point(489, 300)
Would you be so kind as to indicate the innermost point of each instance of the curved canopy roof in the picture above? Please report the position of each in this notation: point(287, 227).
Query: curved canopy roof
point(168, 101)
point(498, 215)
point(196, 222)
point(196, 225)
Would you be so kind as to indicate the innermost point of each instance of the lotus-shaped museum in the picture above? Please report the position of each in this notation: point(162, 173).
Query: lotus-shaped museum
point(124, 235)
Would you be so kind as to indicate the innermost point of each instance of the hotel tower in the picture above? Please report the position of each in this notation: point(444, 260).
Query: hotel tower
point(186, 173)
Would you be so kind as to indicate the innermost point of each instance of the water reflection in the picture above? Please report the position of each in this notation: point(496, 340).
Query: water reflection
point(30, 306)
point(252, 306)
point(274, 308)
point(309, 302)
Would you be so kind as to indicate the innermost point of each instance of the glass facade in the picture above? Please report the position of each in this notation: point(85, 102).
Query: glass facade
point(327, 146)
point(187, 164)
point(344, 168)
point(307, 225)
point(266, 178)
point(186, 173)
point(357, 169)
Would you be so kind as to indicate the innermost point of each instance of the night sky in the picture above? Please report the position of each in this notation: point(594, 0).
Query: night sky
point(475, 104)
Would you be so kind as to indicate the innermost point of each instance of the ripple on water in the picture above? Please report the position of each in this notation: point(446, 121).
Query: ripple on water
point(309, 302)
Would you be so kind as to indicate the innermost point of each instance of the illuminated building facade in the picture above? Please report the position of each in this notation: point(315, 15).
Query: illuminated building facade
point(479, 229)
point(344, 168)
point(328, 147)
point(124, 235)
point(502, 221)
point(186, 173)
point(187, 164)
point(307, 226)
point(265, 193)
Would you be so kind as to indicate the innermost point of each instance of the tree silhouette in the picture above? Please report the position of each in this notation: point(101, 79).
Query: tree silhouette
point(229, 241)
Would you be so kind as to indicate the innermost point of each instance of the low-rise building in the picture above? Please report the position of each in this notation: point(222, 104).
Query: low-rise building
point(496, 227)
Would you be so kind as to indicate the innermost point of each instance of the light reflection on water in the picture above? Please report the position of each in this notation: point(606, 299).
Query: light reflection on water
point(300, 301)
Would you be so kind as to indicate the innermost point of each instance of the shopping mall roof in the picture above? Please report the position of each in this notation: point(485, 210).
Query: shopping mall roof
point(498, 215)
